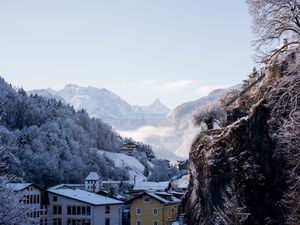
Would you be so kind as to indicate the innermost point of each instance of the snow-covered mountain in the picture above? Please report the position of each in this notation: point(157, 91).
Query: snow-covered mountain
point(103, 104)
point(175, 134)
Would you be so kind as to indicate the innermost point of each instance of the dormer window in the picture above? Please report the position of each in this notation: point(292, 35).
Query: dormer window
point(146, 200)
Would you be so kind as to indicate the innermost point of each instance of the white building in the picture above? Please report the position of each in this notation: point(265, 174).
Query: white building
point(92, 182)
point(32, 196)
point(78, 207)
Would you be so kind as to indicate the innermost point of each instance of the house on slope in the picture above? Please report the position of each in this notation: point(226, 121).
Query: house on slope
point(74, 206)
point(153, 208)
point(128, 148)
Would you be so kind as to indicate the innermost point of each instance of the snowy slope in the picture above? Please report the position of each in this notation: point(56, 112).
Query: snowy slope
point(134, 167)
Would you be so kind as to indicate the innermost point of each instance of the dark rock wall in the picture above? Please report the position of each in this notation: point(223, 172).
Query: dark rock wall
point(236, 162)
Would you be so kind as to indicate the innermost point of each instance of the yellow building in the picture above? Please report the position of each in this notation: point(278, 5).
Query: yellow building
point(153, 208)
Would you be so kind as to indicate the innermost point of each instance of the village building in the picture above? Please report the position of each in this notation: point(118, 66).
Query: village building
point(182, 165)
point(33, 196)
point(128, 149)
point(67, 186)
point(93, 182)
point(153, 208)
point(74, 206)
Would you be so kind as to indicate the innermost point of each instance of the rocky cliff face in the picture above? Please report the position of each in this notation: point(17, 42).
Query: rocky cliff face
point(241, 173)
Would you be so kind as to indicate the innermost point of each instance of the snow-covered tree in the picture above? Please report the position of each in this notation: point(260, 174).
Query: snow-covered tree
point(232, 212)
point(274, 20)
point(285, 120)
point(13, 210)
point(161, 171)
point(52, 142)
point(209, 115)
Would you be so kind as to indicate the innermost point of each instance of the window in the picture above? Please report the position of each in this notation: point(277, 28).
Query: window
point(107, 221)
point(78, 210)
point(73, 221)
point(107, 209)
point(57, 221)
point(155, 211)
point(38, 199)
point(138, 222)
point(54, 198)
point(31, 199)
point(155, 223)
point(146, 199)
point(57, 209)
point(138, 211)
point(43, 221)
point(43, 210)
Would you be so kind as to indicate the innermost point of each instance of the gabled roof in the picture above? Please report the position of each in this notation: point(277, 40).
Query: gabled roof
point(183, 184)
point(85, 196)
point(156, 196)
point(70, 186)
point(20, 186)
point(148, 186)
point(93, 176)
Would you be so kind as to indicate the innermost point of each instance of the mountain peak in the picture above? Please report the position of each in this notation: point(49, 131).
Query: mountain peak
point(156, 102)
point(157, 107)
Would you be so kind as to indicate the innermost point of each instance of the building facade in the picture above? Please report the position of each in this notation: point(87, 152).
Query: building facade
point(79, 207)
point(153, 208)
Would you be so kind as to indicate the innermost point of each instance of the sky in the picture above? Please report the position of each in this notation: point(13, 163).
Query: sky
point(175, 50)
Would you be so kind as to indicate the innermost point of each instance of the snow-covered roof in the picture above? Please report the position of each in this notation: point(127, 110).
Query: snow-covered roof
point(183, 184)
point(93, 176)
point(17, 186)
point(85, 196)
point(156, 196)
point(147, 186)
point(71, 186)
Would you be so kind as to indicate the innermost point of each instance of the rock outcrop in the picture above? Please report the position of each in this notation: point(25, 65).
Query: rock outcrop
point(241, 173)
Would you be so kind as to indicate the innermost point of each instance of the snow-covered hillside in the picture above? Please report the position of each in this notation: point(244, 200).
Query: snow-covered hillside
point(109, 107)
point(131, 164)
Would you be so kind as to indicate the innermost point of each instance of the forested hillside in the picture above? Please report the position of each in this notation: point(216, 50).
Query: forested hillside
point(49, 142)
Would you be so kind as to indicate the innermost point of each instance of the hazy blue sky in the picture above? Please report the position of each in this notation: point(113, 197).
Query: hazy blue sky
point(177, 50)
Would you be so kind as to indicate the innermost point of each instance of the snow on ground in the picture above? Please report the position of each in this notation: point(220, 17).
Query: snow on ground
point(133, 166)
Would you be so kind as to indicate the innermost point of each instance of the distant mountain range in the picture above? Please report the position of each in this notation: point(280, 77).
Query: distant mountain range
point(109, 107)
point(170, 133)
